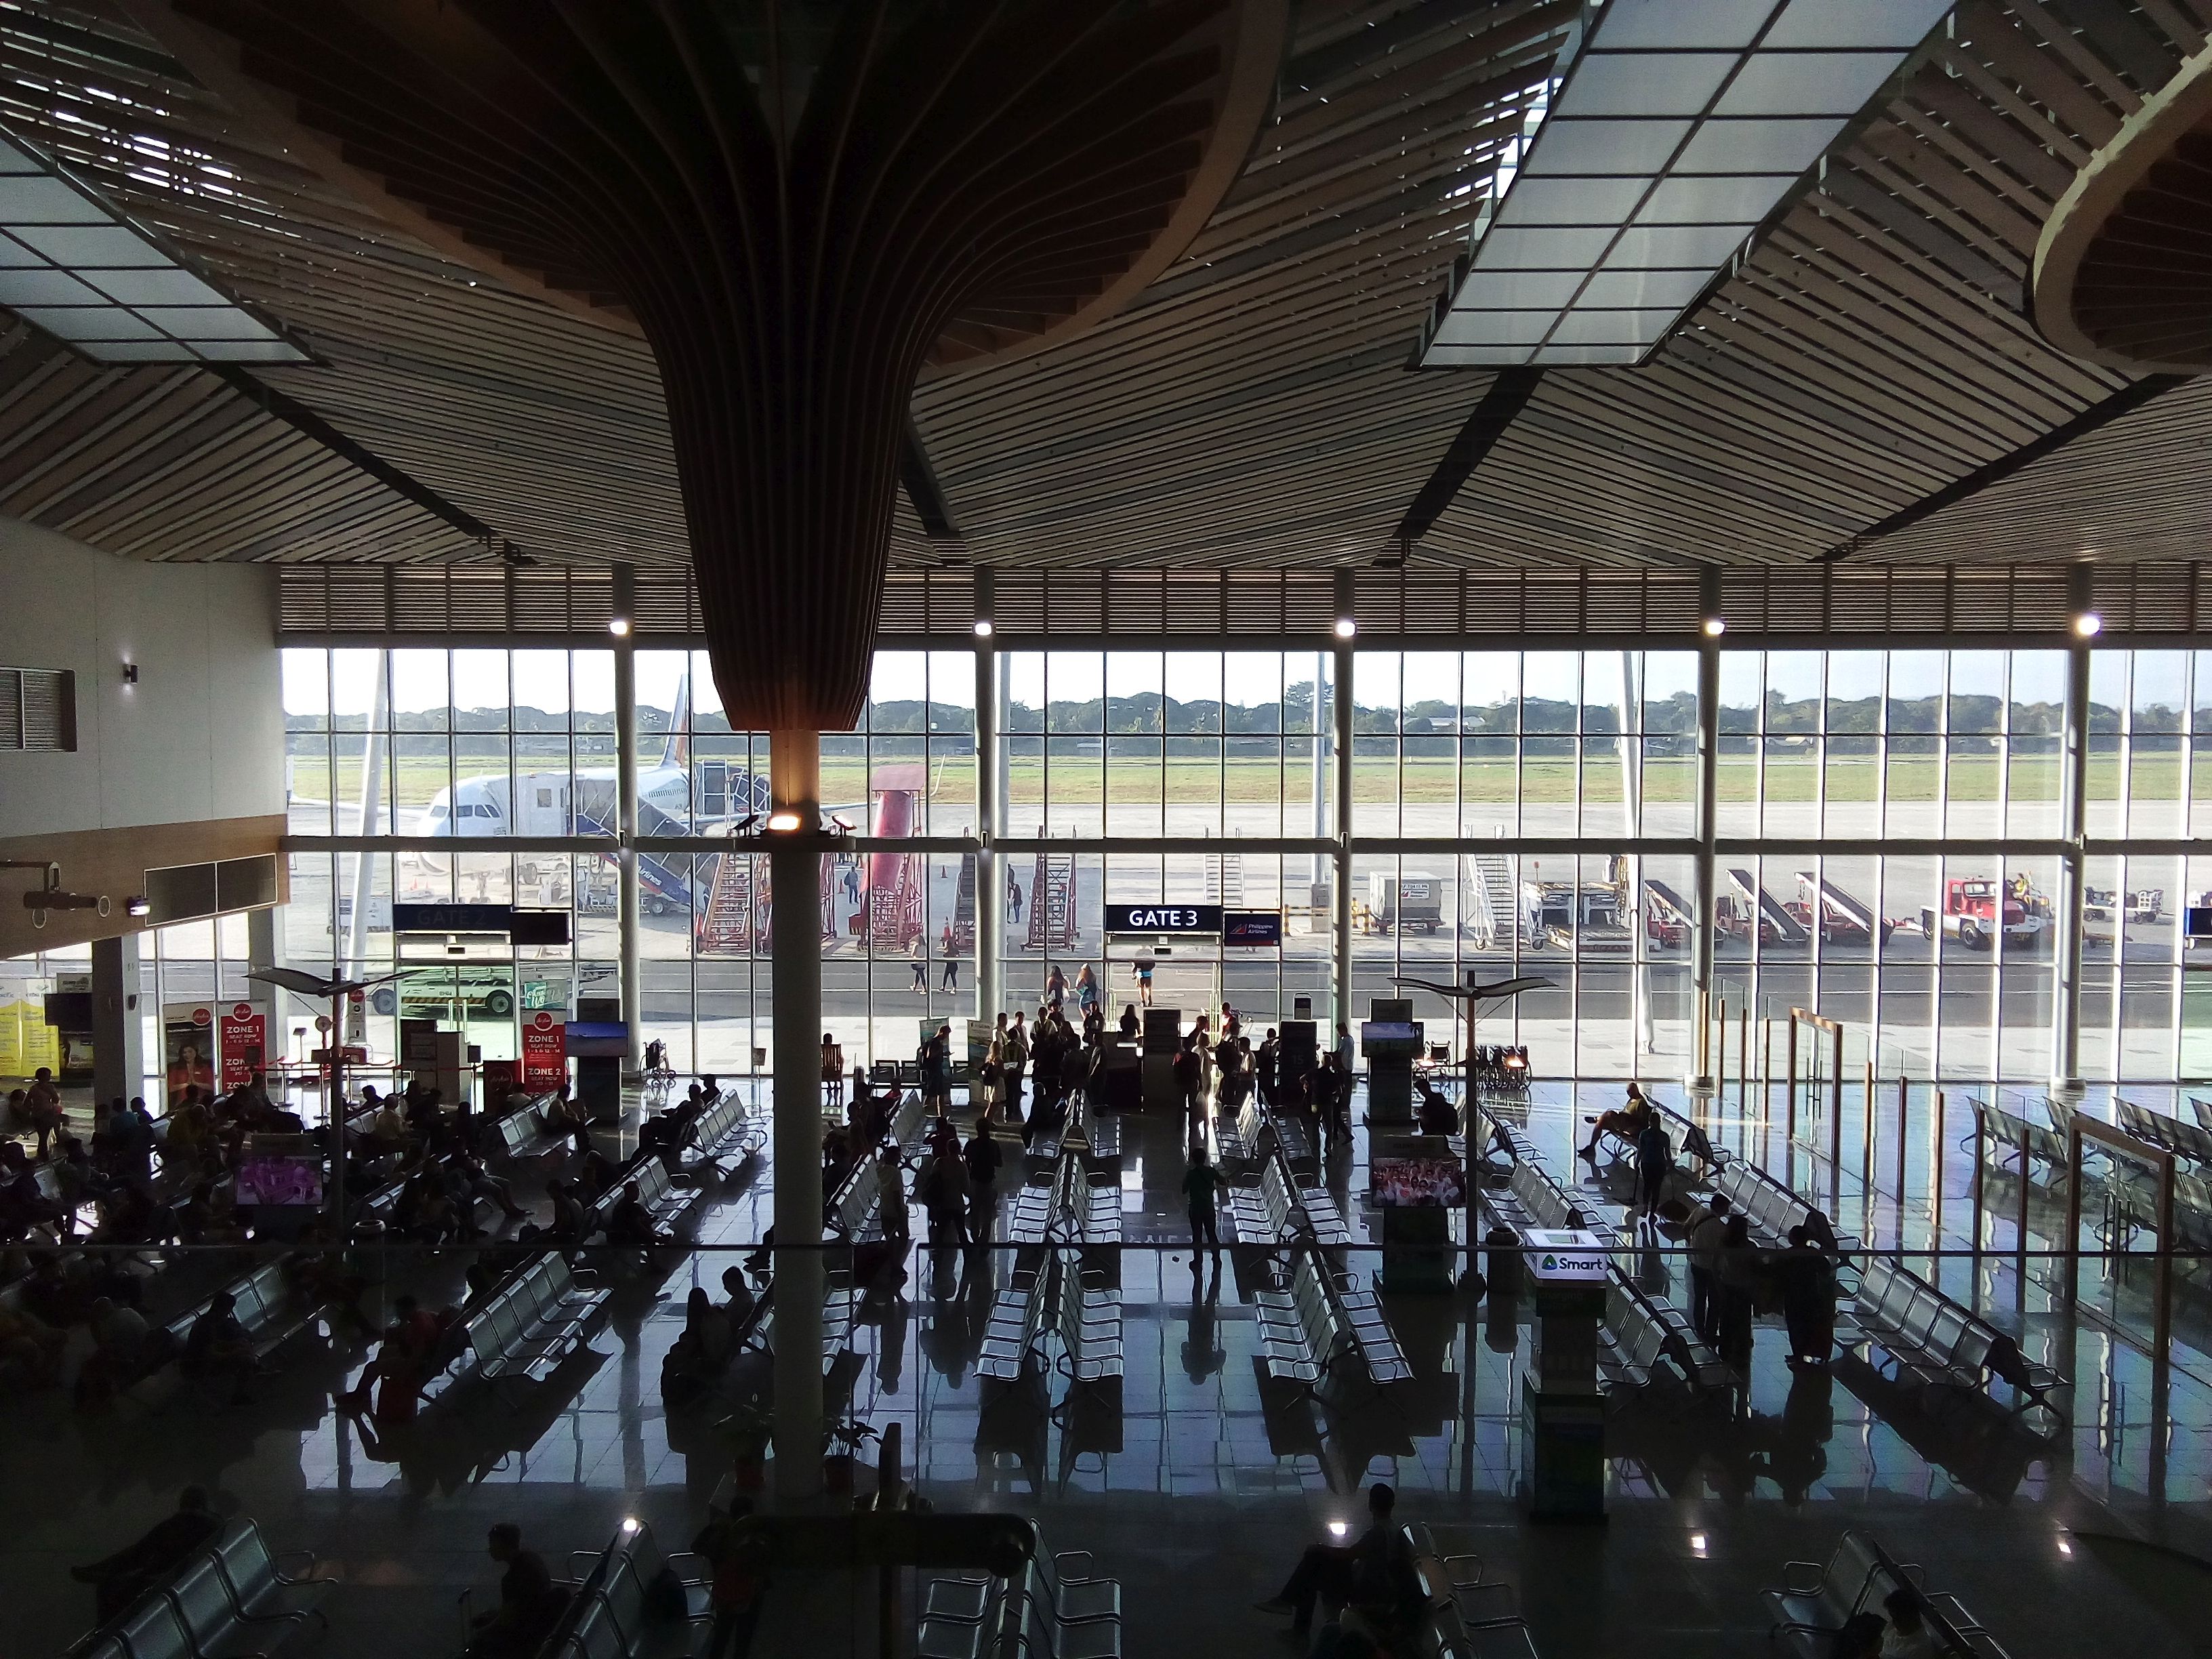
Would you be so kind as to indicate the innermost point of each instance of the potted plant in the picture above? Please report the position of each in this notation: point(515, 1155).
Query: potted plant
point(841, 1453)
point(750, 1428)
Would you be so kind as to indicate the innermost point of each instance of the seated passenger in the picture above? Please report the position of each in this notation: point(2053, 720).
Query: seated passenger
point(122, 1352)
point(1908, 1636)
point(1375, 1574)
point(1627, 1123)
point(629, 1223)
point(529, 1601)
point(121, 1578)
point(218, 1348)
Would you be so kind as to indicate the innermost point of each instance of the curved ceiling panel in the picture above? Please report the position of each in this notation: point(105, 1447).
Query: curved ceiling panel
point(800, 207)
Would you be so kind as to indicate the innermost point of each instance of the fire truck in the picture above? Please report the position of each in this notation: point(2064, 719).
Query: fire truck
point(1978, 911)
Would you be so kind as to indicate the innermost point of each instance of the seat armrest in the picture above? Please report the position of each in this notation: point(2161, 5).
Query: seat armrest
point(1060, 1558)
point(1802, 1577)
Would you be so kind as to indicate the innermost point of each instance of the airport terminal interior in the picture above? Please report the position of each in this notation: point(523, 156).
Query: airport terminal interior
point(1086, 829)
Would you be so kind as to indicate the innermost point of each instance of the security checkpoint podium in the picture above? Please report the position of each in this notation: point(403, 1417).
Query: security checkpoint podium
point(1562, 1412)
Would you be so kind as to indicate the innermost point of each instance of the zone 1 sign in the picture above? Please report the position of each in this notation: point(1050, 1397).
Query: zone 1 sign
point(1164, 919)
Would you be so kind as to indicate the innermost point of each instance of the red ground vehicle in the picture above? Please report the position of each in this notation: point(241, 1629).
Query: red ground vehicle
point(1976, 910)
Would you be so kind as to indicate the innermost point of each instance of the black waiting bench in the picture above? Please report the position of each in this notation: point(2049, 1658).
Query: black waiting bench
point(229, 1599)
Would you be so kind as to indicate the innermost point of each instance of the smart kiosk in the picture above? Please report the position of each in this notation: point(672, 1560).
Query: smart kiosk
point(1562, 1414)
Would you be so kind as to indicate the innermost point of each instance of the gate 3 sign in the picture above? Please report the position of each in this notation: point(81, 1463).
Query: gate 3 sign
point(1164, 919)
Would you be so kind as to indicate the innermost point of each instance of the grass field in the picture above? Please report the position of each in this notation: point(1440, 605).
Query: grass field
point(1549, 781)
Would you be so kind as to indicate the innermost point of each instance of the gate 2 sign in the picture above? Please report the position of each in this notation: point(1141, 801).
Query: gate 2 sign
point(1156, 919)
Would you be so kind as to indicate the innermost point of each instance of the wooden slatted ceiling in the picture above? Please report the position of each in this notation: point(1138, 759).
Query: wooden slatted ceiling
point(170, 463)
point(1253, 410)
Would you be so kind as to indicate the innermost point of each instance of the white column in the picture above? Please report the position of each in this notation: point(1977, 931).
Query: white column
point(119, 1026)
point(1632, 897)
point(2074, 807)
point(1701, 930)
point(990, 883)
point(372, 806)
point(794, 874)
point(1340, 715)
point(625, 634)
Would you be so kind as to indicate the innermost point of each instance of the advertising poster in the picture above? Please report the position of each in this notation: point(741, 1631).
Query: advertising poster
point(280, 1170)
point(242, 1042)
point(544, 1053)
point(188, 1047)
point(27, 1042)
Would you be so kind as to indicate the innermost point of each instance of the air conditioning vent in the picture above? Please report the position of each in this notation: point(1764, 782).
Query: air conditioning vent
point(38, 709)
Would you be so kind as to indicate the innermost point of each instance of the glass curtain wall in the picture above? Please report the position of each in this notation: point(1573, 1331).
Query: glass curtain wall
point(1885, 822)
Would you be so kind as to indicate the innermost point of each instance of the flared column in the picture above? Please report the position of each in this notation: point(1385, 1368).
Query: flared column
point(794, 875)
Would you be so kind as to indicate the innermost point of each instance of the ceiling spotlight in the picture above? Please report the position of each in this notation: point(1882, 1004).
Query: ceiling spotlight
point(983, 630)
point(629, 1523)
point(131, 673)
point(783, 822)
point(618, 626)
point(140, 906)
point(1345, 627)
point(2088, 624)
point(1715, 627)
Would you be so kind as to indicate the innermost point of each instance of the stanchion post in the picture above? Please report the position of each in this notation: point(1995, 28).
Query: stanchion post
point(2162, 1267)
point(1936, 1175)
point(2073, 1218)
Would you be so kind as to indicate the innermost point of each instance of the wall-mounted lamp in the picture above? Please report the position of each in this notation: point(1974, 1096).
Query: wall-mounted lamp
point(618, 626)
point(131, 673)
point(138, 905)
point(1715, 627)
point(1345, 627)
point(983, 630)
point(2088, 625)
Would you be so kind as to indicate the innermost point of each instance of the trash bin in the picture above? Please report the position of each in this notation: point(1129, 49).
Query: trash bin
point(1505, 1276)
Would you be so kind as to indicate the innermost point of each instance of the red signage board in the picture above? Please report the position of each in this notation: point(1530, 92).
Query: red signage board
point(544, 1053)
point(242, 1041)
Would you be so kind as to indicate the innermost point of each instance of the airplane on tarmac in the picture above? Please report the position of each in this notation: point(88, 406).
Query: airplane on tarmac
point(670, 801)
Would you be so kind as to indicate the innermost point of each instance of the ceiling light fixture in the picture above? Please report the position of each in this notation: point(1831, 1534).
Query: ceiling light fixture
point(1671, 130)
point(1715, 627)
point(983, 629)
point(76, 268)
point(1345, 627)
point(619, 627)
point(2088, 624)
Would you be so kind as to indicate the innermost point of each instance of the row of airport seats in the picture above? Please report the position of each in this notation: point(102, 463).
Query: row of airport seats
point(1056, 1608)
point(230, 1598)
point(523, 1330)
point(1815, 1600)
point(1276, 1210)
point(1770, 1208)
point(1244, 1137)
point(1941, 1344)
point(671, 1206)
point(1057, 1296)
point(1644, 1337)
point(1465, 1615)
point(632, 1600)
point(1325, 1331)
point(1066, 1207)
